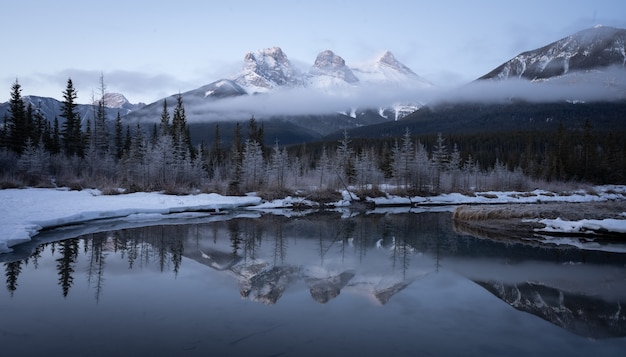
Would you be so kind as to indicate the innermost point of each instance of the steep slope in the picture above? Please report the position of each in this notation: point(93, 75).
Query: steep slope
point(590, 49)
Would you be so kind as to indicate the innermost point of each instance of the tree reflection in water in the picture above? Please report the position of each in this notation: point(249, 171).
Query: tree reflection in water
point(377, 254)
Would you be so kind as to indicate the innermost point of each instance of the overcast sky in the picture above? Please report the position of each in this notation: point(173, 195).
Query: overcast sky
point(147, 50)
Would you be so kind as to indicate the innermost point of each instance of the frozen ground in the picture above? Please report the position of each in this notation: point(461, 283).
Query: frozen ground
point(24, 212)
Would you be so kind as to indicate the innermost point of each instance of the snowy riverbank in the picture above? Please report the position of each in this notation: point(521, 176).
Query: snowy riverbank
point(24, 212)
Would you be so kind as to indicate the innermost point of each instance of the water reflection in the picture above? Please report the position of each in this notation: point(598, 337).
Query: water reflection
point(378, 256)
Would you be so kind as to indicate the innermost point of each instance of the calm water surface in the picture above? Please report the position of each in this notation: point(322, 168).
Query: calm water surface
point(323, 284)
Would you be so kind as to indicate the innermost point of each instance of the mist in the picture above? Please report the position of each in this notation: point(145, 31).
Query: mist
point(606, 85)
point(589, 86)
point(306, 101)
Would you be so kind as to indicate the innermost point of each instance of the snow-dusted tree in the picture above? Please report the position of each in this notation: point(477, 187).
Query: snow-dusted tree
point(403, 160)
point(252, 166)
point(279, 162)
point(236, 162)
point(365, 169)
point(324, 169)
point(454, 169)
point(469, 172)
point(34, 159)
point(422, 169)
point(439, 158)
point(161, 161)
point(343, 159)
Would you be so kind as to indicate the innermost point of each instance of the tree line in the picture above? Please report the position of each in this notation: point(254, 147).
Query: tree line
point(97, 152)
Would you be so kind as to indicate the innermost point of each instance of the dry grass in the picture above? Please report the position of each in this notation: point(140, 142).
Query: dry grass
point(567, 211)
point(482, 213)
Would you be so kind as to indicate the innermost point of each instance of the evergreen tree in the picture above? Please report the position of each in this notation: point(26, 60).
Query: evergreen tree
point(439, 157)
point(4, 131)
point(164, 126)
point(217, 156)
point(119, 137)
point(278, 166)
point(344, 163)
point(403, 160)
point(71, 132)
point(236, 161)
point(255, 133)
point(41, 124)
point(18, 127)
point(100, 129)
point(252, 165)
point(55, 140)
point(179, 130)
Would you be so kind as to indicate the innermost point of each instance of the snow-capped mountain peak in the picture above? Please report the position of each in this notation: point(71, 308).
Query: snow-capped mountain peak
point(115, 100)
point(329, 69)
point(266, 69)
point(390, 61)
point(388, 70)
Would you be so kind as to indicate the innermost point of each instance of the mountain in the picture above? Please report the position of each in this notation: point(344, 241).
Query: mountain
point(50, 108)
point(580, 77)
point(585, 315)
point(329, 70)
point(388, 70)
point(270, 88)
point(119, 101)
point(590, 49)
point(267, 69)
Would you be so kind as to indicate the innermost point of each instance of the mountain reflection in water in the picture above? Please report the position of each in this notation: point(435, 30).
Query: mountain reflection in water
point(378, 256)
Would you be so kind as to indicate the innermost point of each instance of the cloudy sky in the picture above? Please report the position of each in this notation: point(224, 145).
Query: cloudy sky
point(147, 50)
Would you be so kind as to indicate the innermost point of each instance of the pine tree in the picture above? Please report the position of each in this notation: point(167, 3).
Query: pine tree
point(71, 132)
point(179, 130)
point(18, 128)
point(344, 163)
point(55, 139)
point(164, 126)
point(100, 129)
point(216, 155)
point(236, 161)
point(440, 157)
point(119, 137)
point(255, 133)
point(403, 160)
point(252, 165)
point(278, 166)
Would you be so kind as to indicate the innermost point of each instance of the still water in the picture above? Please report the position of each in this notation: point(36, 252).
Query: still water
point(322, 284)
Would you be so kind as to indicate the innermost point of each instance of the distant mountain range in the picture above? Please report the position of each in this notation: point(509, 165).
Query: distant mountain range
point(379, 97)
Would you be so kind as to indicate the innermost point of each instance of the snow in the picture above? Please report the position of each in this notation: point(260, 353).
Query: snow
point(25, 212)
point(585, 226)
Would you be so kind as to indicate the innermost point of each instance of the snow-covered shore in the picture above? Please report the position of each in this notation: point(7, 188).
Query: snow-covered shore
point(24, 212)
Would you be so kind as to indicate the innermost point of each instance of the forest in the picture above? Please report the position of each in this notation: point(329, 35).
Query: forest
point(116, 157)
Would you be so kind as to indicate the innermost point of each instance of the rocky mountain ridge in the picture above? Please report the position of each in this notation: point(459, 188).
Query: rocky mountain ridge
point(591, 49)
